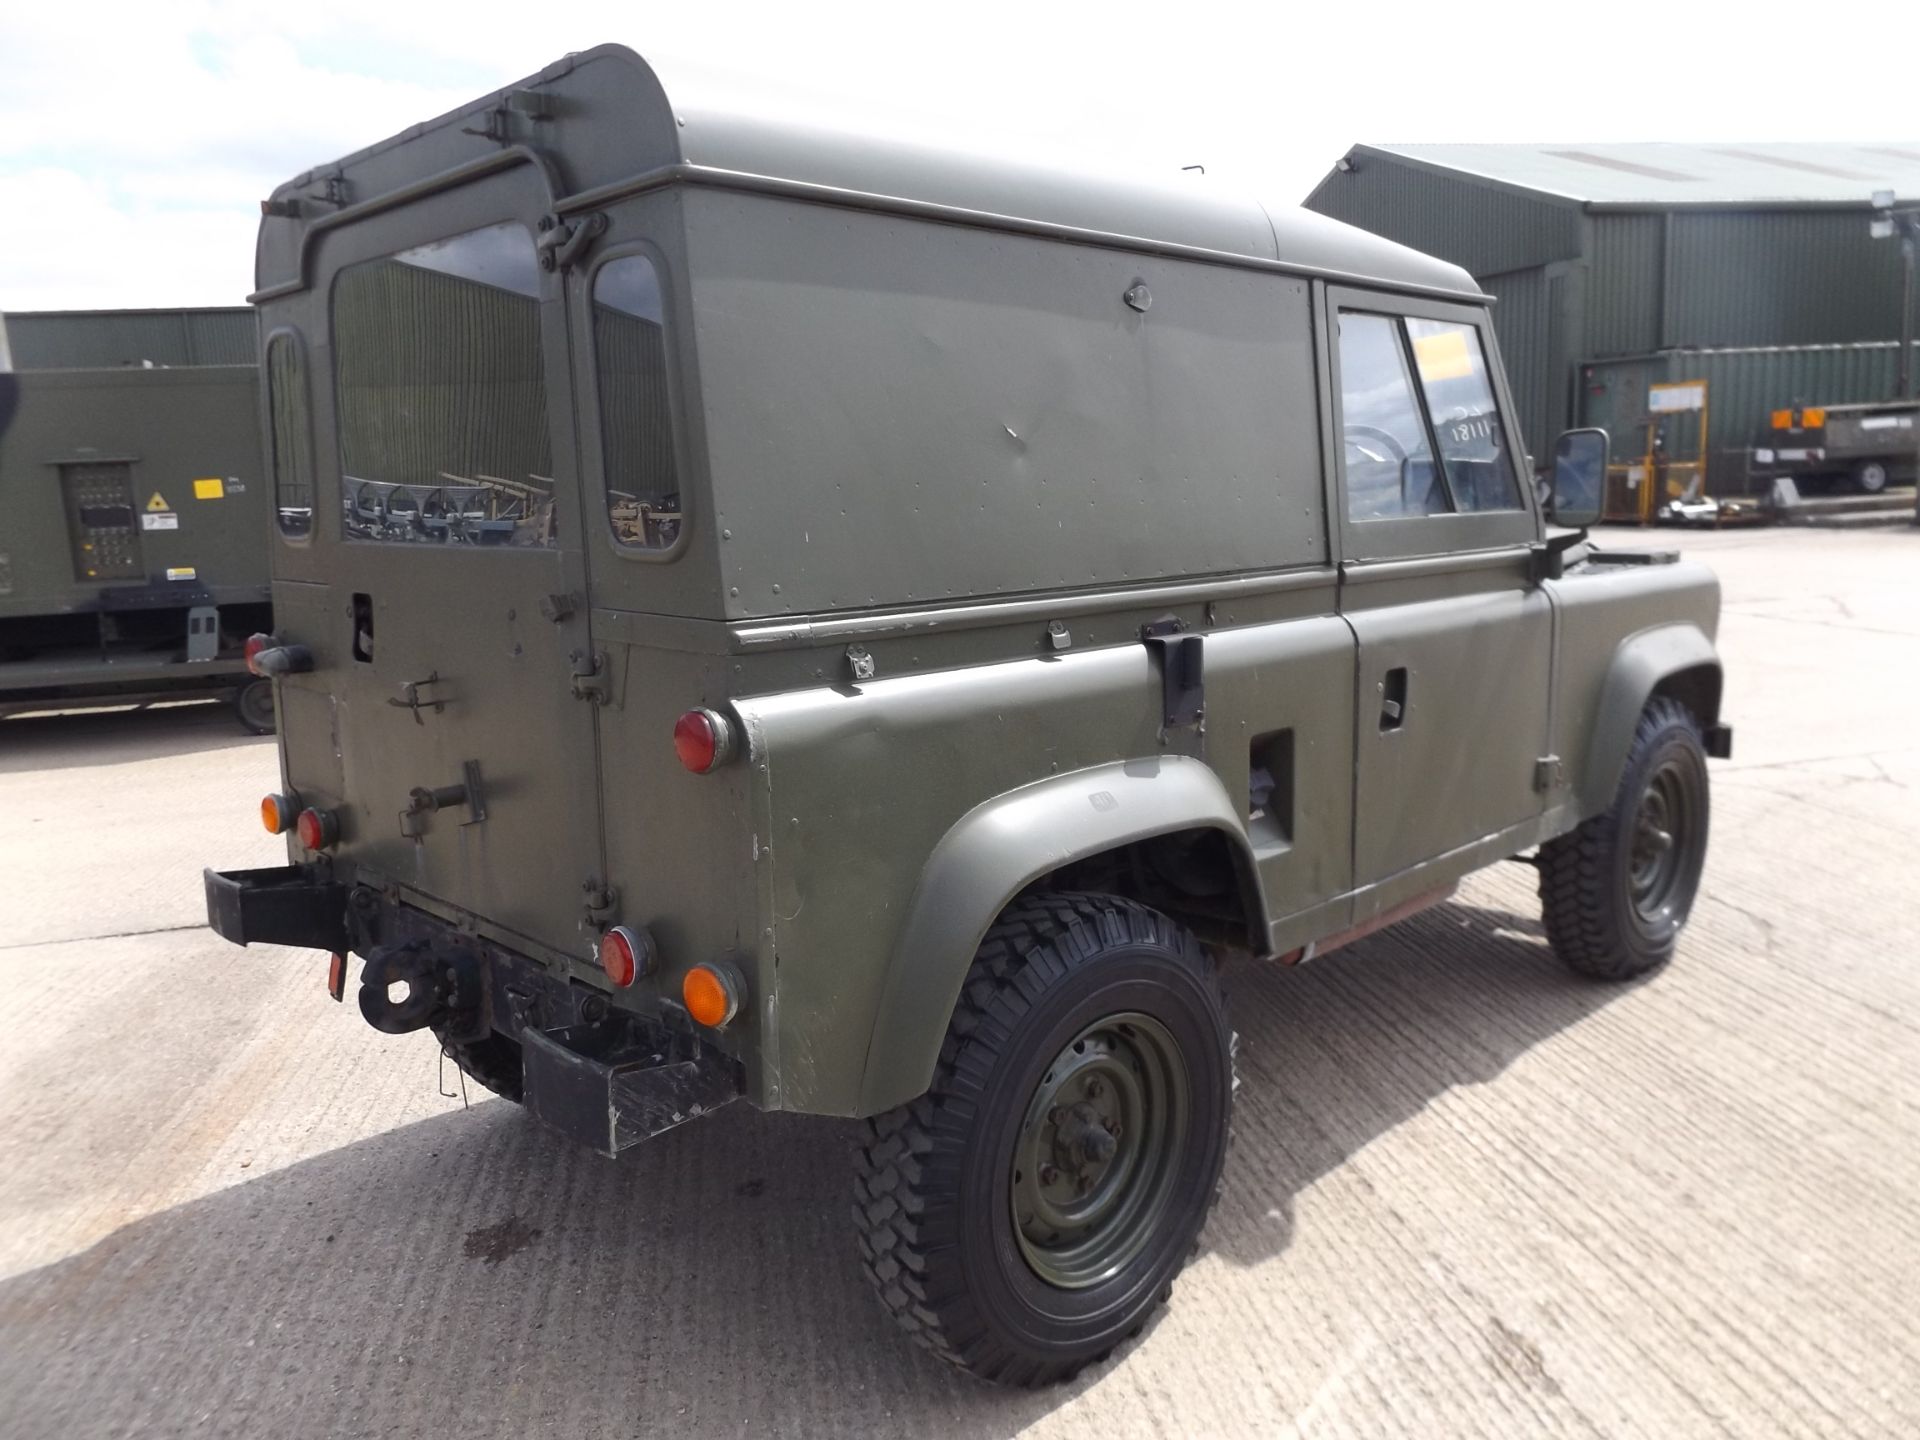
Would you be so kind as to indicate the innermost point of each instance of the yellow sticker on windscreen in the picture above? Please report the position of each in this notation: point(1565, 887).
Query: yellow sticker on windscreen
point(1442, 355)
point(211, 489)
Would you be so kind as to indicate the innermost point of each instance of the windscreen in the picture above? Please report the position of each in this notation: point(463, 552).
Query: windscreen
point(442, 399)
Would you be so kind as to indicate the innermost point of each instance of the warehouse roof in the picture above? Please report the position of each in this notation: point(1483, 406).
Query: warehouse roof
point(1664, 173)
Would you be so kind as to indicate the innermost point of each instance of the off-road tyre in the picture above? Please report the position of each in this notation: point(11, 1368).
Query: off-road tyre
point(493, 1060)
point(253, 706)
point(1610, 913)
point(938, 1180)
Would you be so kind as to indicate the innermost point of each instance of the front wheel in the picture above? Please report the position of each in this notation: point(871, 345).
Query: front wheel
point(1617, 890)
point(1871, 476)
point(1032, 1209)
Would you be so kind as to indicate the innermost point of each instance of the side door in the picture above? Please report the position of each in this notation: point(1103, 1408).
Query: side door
point(452, 508)
point(1455, 640)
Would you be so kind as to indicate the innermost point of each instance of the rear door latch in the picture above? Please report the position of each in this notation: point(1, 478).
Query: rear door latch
point(411, 699)
point(424, 800)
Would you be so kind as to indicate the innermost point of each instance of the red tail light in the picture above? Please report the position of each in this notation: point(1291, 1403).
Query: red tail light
point(703, 740)
point(255, 644)
point(317, 829)
point(626, 954)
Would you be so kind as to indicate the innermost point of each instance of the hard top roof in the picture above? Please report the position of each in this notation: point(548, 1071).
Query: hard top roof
point(1665, 173)
point(709, 137)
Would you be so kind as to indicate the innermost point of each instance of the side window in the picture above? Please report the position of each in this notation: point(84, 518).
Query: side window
point(1466, 422)
point(1387, 459)
point(292, 435)
point(636, 417)
point(442, 409)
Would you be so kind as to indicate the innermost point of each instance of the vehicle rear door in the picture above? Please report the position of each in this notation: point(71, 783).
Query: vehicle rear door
point(1455, 638)
point(467, 748)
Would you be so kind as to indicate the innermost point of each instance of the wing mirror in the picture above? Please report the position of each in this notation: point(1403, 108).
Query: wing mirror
point(1579, 477)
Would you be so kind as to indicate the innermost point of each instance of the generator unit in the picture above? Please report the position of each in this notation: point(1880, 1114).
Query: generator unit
point(133, 524)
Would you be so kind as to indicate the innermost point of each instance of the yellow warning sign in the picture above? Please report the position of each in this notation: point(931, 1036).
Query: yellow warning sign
point(211, 489)
point(158, 502)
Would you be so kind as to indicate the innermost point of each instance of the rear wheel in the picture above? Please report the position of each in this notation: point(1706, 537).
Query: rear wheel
point(1871, 476)
point(1616, 892)
point(253, 704)
point(1032, 1209)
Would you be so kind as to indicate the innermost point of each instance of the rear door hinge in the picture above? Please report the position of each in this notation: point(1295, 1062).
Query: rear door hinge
point(1547, 772)
point(600, 900)
point(589, 676)
point(562, 242)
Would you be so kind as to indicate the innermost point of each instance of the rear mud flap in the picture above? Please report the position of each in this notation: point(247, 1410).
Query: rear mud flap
point(594, 1084)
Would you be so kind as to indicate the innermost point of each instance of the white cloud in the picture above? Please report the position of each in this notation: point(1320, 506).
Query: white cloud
point(137, 139)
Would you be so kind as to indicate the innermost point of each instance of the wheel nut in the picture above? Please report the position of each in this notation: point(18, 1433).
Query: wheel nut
point(1094, 1088)
point(1048, 1174)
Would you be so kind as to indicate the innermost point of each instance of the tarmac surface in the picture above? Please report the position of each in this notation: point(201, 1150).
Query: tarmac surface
point(1471, 1195)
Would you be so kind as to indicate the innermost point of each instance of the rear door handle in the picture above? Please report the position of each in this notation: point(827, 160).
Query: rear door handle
point(1393, 698)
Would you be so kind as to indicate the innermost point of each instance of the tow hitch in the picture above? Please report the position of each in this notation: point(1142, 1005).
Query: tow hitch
point(438, 983)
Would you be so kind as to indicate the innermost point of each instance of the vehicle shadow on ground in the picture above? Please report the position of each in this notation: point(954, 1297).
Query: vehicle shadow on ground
point(474, 1275)
point(109, 737)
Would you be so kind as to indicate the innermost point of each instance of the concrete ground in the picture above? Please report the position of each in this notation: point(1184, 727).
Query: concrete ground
point(1471, 1195)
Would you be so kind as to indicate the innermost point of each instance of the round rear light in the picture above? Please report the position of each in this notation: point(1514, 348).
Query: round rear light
point(255, 644)
point(703, 740)
point(711, 994)
point(625, 955)
point(277, 812)
point(317, 829)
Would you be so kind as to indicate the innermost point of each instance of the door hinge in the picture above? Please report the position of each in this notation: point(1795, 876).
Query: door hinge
point(589, 676)
point(600, 899)
point(1547, 771)
point(562, 242)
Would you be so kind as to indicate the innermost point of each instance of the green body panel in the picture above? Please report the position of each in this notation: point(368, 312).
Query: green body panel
point(949, 435)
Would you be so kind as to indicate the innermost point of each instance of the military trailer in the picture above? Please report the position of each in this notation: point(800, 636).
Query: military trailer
point(133, 523)
point(768, 613)
point(1871, 444)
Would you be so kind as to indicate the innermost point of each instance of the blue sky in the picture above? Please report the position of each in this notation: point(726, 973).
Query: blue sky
point(136, 140)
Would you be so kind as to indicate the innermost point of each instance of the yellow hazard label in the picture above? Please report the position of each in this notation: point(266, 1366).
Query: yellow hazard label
point(211, 489)
point(158, 502)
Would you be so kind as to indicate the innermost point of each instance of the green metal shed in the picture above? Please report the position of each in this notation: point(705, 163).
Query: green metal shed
point(1601, 254)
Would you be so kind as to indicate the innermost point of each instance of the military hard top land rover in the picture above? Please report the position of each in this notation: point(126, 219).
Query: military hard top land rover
point(764, 612)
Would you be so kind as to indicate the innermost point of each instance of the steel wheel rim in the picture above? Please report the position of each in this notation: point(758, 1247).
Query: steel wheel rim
point(1095, 1163)
point(256, 703)
point(1663, 827)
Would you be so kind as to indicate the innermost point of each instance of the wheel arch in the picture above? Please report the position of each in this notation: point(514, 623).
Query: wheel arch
point(1677, 661)
point(1000, 848)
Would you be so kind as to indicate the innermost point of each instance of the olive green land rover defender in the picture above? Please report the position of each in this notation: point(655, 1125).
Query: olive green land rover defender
point(773, 614)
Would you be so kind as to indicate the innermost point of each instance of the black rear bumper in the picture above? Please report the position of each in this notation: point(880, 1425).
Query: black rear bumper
point(280, 905)
point(604, 1076)
point(612, 1086)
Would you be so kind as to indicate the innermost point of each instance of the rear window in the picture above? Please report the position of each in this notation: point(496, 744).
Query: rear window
point(636, 427)
point(292, 436)
point(442, 411)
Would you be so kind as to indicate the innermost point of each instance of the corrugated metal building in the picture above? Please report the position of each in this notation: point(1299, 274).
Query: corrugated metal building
point(110, 339)
point(1601, 255)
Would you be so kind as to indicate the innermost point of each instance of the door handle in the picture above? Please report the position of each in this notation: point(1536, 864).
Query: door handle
point(1393, 698)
